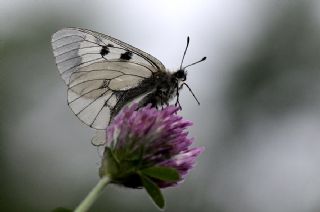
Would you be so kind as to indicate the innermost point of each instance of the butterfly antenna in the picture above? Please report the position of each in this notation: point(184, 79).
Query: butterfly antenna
point(194, 96)
point(203, 59)
point(184, 54)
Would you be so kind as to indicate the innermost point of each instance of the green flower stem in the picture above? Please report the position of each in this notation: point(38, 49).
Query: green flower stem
point(93, 195)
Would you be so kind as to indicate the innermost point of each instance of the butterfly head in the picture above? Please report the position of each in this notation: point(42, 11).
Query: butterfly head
point(180, 75)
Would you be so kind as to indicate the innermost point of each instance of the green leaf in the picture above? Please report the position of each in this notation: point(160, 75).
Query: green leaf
point(162, 173)
point(61, 209)
point(153, 191)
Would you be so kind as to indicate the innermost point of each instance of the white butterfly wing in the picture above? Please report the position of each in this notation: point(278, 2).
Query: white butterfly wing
point(75, 48)
point(99, 138)
point(97, 80)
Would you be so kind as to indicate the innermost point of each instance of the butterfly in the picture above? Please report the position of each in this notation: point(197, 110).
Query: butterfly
point(103, 74)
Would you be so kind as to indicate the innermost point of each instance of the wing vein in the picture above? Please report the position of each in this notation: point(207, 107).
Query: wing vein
point(105, 78)
point(79, 65)
point(80, 55)
point(77, 114)
point(78, 41)
point(86, 47)
point(88, 93)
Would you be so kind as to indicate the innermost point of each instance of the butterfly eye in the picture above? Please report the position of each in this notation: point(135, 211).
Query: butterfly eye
point(180, 74)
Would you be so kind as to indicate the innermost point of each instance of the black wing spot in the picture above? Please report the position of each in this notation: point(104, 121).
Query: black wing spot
point(110, 45)
point(104, 51)
point(126, 56)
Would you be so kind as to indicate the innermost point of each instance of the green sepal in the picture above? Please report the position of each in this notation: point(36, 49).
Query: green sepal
point(153, 190)
point(109, 166)
point(162, 173)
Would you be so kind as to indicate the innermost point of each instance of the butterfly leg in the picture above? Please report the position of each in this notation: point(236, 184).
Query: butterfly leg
point(163, 102)
point(194, 96)
point(162, 97)
point(177, 102)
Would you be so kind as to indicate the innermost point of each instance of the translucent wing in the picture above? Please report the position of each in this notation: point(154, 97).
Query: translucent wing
point(75, 48)
point(99, 138)
point(102, 73)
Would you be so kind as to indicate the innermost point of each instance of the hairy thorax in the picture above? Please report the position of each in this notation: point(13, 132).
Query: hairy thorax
point(166, 88)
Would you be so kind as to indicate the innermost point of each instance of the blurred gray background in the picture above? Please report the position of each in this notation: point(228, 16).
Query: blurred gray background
point(259, 90)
